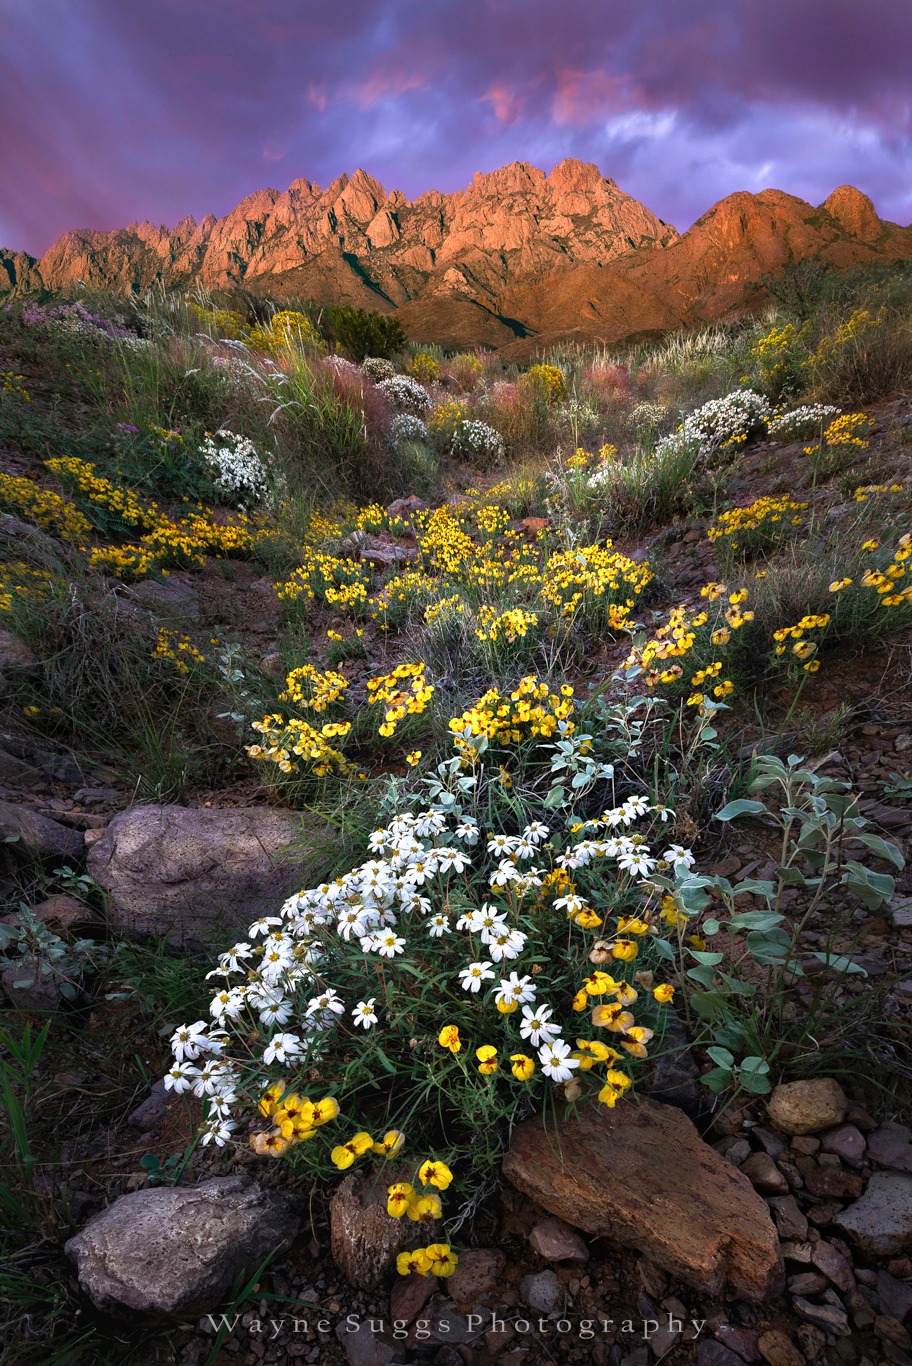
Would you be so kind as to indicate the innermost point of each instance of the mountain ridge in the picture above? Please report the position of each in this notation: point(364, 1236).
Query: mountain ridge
point(517, 260)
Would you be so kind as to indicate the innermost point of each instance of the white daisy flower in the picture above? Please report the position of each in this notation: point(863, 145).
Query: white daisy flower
point(364, 1013)
point(556, 1061)
point(283, 1048)
point(515, 988)
point(471, 977)
point(680, 858)
point(536, 1025)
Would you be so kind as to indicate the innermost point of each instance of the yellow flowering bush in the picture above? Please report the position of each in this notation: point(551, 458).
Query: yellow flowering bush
point(762, 526)
point(178, 650)
point(548, 381)
point(781, 357)
point(424, 368)
point(24, 498)
point(404, 692)
point(286, 330)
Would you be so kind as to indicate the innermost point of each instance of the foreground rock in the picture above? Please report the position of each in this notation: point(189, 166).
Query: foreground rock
point(37, 836)
point(168, 1253)
point(642, 1176)
point(365, 1240)
point(194, 875)
point(806, 1107)
point(881, 1221)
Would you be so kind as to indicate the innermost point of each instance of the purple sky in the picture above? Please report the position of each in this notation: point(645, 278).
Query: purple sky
point(112, 110)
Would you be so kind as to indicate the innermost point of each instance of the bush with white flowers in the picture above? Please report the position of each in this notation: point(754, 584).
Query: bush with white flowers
point(407, 427)
point(237, 471)
point(477, 961)
point(722, 425)
point(808, 420)
point(478, 443)
point(406, 395)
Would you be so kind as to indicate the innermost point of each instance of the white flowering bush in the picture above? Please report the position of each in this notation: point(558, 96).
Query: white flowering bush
point(238, 473)
point(722, 425)
point(406, 395)
point(477, 962)
point(408, 427)
point(647, 419)
point(808, 420)
point(478, 443)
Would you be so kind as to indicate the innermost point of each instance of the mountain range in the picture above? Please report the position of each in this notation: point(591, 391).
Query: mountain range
point(518, 261)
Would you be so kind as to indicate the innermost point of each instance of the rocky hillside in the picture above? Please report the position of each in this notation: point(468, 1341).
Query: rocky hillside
point(518, 260)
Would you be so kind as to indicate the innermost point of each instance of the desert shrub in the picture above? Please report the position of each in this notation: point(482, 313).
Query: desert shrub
point(287, 329)
point(239, 474)
point(721, 426)
point(360, 333)
point(745, 532)
point(466, 369)
point(378, 368)
point(843, 440)
point(809, 419)
point(780, 356)
point(478, 443)
point(866, 357)
point(445, 420)
point(645, 485)
point(406, 395)
point(548, 382)
point(408, 427)
point(424, 367)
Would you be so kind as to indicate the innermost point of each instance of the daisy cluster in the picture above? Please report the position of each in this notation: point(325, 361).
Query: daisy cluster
point(436, 893)
point(237, 469)
point(723, 424)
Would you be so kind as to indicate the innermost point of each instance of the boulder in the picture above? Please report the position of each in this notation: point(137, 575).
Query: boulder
point(37, 836)
point(881, 1221)
point(641, 1176)
point(194, 875)
point(806, 1107)
point(175, 1252)
point(168, 597)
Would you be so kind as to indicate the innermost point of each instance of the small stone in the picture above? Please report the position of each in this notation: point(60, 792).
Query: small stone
point(846, 1142)
point(895, 1296)
point(806, 1283)
point(558, 1242)
point(773, 1143)
point(764, 1175)
point(149, 1116)
point(714, 1354)
point(891, 1146)
point(833, 1265)
point(805, 1144)
point(881, 1221)
point(364, 1347)
point(789, 1221)
point(22, 829)
point(806, 1107)
point(828, 1182)
point(739, 1340)
point(478, 1272)
point(409, 1295)
point(798, 1251)
point(541, 1291)
point(825, 1315)
point(891, 1330)
point(779, 1350)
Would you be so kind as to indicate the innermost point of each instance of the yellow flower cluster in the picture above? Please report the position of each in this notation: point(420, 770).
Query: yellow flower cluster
point(122, 502)
point(802, 648)
point(594, 577)
point(15, 385)
point(859, 323)
point(846, 433)
point(530, 712)
point(223, 323)
point(123, 561)
point(886, 581)
point(444, 609)
point(424, 368)
point(547, 380)
point(678, 638)
point(404, 692)
point(309, 688)
point(337, 581)
point(283, 739)
point(866, 491)
point(295, 1119)
point(506, 627)
point(20, 580)
point(760, 516)
point(286, 330)
point(446, 417)
point(49, 511)
point(178, 649)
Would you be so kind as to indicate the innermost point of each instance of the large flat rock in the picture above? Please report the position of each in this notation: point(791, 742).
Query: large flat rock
point(195, 875)
point(641, 1176)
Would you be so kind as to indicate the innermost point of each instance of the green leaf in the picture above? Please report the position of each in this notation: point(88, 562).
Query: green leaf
point(768, 947)
point(758, 1086)
point(756, 920)
point(710, 959)
point(721, 1057)
point(753, 1064)
point(719, 1079)
point(885, 848)
point(711, 926)
point(554, 798)
point(664, 949)
point(703, 974)
point(742, 807)
point(840, 963)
